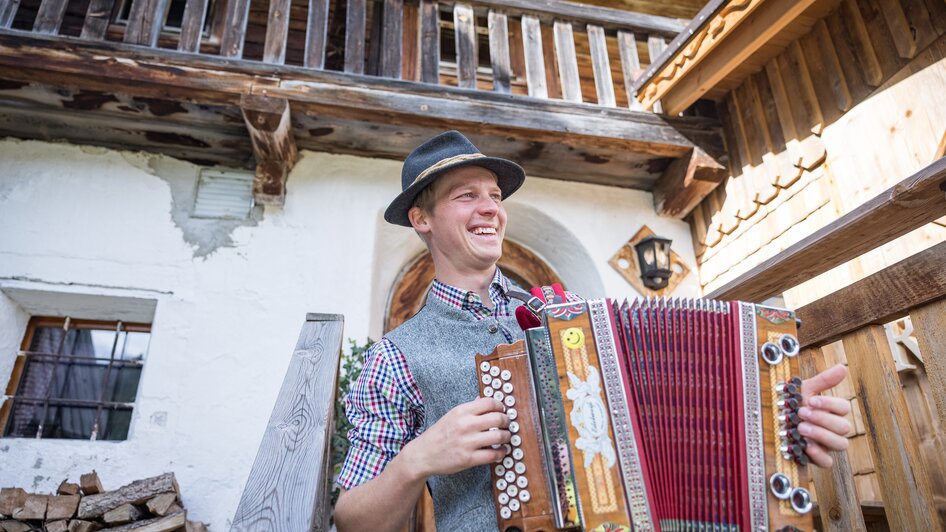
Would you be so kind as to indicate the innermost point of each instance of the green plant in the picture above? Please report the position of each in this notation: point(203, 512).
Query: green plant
point(350, 366)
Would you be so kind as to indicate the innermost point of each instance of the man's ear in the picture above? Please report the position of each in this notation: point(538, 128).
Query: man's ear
point(419, 219)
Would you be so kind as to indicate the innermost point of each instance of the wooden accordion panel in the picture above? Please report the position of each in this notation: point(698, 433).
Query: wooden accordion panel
point(660, 415)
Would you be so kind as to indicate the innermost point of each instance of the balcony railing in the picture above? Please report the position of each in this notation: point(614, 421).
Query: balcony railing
point(541, 48)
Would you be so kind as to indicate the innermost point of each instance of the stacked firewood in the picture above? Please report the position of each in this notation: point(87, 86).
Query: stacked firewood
point(148, 505)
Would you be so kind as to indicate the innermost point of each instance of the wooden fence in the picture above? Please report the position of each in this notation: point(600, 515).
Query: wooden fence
point(540, 48)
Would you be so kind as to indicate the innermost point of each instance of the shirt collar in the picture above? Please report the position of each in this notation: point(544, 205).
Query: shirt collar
point(464, 299)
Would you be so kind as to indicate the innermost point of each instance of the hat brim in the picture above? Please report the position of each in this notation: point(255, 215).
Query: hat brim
point(509, 177)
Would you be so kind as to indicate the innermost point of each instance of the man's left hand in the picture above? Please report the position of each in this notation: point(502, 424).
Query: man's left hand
point(823, 422)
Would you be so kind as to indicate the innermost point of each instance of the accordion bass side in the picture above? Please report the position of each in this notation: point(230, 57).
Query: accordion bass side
point(651, 415)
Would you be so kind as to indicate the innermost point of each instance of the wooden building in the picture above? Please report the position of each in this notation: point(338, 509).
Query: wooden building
point(206, 171)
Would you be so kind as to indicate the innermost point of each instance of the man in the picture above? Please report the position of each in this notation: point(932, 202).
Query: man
point(416, 417)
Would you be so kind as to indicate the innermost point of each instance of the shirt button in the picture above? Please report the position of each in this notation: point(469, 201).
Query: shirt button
point(492, 328)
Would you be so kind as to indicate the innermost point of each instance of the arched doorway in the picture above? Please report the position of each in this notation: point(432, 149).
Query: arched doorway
point(522, 266)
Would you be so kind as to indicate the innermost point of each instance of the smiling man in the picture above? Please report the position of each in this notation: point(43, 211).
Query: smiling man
point(416, 417)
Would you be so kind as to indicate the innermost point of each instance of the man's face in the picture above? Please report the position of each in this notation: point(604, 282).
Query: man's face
point(468, 221)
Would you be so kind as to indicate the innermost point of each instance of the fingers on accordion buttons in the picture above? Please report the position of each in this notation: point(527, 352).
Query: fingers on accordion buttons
point(494, 371)
point(517, 454)
point(509, 401)
point(516, 440)
point(488, 392)
point(507, 447)
point(505, 375)
point(512, 413)
point(503, 498)
point(514, 505)
point(525, 496)
point(505, 512)
point(498, 395)
point(508, 462)
point(484, 366)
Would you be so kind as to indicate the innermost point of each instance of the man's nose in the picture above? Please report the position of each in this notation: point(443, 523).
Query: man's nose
point(487, 205)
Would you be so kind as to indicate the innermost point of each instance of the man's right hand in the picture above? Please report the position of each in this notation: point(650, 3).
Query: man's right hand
point(461, 439)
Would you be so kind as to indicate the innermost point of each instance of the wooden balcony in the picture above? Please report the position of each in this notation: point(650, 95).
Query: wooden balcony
point(249, 82)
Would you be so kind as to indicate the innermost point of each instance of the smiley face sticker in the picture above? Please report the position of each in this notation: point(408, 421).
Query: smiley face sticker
point(573, 338)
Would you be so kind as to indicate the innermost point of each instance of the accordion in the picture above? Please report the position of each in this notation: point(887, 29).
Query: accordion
point(667, 414)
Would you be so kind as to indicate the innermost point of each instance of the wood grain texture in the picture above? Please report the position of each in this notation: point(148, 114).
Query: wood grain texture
point(882, 297)
point(429, 42)
point(410, 47)
point(355, 37)
point(392, 35)
point(913, 202)
point(137, 492)
point(630, 66)
point(837, 498)
point(234, 29)
point(567, 61)
point(464, 22)
point(535, 63)
point(601, 65)
point(8, 9)
point(905, 485)
point(499, 51)
point(49, 16)
point(270, 128)
point(655, 47)
point(316, 34)
point(277, 29)
point(192, 26)
point(145, 21)
point(929, 322)
point(287, 488)
point(96, 19)
point(685, 182)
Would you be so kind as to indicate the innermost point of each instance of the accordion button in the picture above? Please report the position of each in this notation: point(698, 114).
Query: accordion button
point(510, 400)
point(503, 498)
point(501, 484)
point(500, 470)
point(525, 496)
point(512, 490)
point(486, 379)
point(494, 371)
point(514, 427)
point(522, 482)
point(507, 447)
point(496, 384)
point(484, 366)
point(488, 392)
point(507, 387)
point(508, 462)
point(520, 468)
point(517, 454)
point(515, 440)
point(514, 505)
point(498, 395)
point(505, 375)
point(512, 413)
point(505, 513)
point(510, 477)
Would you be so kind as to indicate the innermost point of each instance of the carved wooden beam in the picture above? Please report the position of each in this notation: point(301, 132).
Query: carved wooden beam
point(267, 120)
point(685, 182)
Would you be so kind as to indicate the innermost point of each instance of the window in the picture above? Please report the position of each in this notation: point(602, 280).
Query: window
point(172, 21)
point(75, 379)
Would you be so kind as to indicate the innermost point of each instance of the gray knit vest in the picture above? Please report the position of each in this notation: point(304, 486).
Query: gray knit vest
point(440, 343)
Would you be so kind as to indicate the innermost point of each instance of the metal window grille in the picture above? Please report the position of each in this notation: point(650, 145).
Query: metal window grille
point(75, 379)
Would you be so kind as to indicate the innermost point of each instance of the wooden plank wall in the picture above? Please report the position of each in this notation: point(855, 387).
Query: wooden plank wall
point(787, 134)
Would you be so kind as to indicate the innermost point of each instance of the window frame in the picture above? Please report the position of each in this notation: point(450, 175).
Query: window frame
point(20, 362)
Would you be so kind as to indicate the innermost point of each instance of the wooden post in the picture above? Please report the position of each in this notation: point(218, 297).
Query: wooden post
point(601, 65)
point(656, 46)
point(837, 497)
point(316, 34)
point(906, 488)
point(355, 37)
point(429, 42)
point(277, 29)
point(49, 17)
point(145, 20)
point(8, 12)
point(499, 51)
point(630, 67)
point(567, 61)
point(929, 326)
point(535, 63)
point(270, 128)
point(392, 37)
point(192, 26)
point(234, 29)
point(464, 23)
point(288, 486)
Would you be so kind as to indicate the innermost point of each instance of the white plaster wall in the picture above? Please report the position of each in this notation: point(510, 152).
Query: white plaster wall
point(227, 317)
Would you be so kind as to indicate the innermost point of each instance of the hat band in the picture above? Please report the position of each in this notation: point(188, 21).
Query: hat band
point(447, 162)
